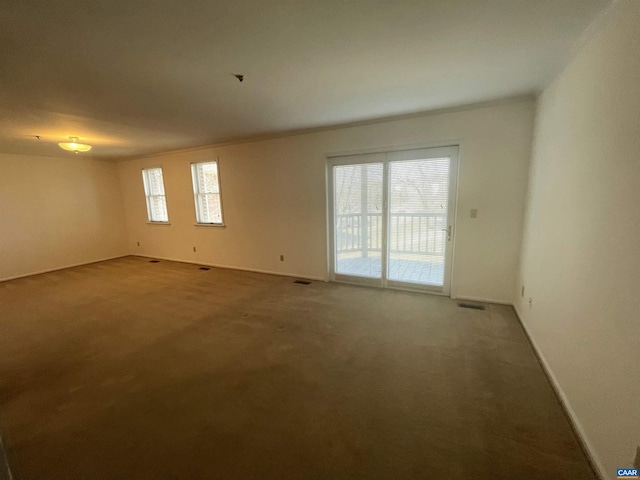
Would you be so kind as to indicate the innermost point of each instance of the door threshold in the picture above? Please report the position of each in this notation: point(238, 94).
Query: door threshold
point(393, 287)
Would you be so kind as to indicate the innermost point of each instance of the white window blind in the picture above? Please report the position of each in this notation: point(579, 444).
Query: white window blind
point(358, 219)
point(206, 190)
point(418, 212)
point(154, 191)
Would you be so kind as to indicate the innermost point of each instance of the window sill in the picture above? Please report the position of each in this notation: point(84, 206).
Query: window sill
point(158, 223)
point(209, 225)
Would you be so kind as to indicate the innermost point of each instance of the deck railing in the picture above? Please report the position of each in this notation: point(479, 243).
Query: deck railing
point(411, 233)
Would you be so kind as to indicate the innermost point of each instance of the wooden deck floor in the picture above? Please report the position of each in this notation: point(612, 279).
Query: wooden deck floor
point(421, 269)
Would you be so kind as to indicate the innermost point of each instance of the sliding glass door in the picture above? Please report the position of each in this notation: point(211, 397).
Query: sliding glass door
point(392, 218)
point(358, 217)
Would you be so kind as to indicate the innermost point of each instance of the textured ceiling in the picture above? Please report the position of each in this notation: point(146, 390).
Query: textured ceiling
point(145, 76)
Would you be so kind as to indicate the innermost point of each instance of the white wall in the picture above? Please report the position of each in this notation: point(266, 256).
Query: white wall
point(56, 212)
point(275, 200)
point(581, 248)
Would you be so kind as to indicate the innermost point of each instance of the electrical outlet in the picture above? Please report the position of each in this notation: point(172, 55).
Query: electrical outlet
point(473, 213)
point(194, 249)
point(282, 258)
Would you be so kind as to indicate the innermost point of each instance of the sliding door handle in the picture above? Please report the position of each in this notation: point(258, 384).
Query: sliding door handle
point(448, 230)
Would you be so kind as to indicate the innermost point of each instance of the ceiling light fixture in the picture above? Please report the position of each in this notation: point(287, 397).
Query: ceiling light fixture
point(74, 146)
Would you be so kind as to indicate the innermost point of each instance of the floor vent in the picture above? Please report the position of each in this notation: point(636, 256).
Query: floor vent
point(154, 261)
point(205, 268)
point(472, 306)
point(302, 282)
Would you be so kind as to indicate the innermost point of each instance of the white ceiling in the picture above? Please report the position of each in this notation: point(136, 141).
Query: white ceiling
point(145, 76)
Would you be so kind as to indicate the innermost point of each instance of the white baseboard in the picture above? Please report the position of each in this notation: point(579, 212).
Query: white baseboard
point(593, 458)
point(231, 267)
point(64, 267)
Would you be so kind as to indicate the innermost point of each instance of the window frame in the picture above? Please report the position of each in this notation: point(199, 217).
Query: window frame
point(148, 195)
point(195, 177)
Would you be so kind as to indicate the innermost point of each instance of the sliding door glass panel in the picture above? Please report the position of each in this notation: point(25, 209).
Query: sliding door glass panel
point(418, 208)
point(358, 219)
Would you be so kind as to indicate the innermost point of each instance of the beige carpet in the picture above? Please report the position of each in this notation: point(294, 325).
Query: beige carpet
point(134, 370)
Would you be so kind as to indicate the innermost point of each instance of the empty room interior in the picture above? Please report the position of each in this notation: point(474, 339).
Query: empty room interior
point(339, 239)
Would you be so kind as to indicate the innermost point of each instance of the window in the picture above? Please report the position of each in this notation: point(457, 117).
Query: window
point(154, 191)
point(206, 190)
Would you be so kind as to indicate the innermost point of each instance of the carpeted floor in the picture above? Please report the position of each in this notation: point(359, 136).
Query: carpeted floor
point(134, 370)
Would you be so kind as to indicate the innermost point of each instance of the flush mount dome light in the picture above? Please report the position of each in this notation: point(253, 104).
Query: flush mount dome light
point(74, 146)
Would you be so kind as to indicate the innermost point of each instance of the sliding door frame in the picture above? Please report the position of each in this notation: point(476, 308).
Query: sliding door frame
point(363, 159)
point(386, 157)
point(427, 154)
